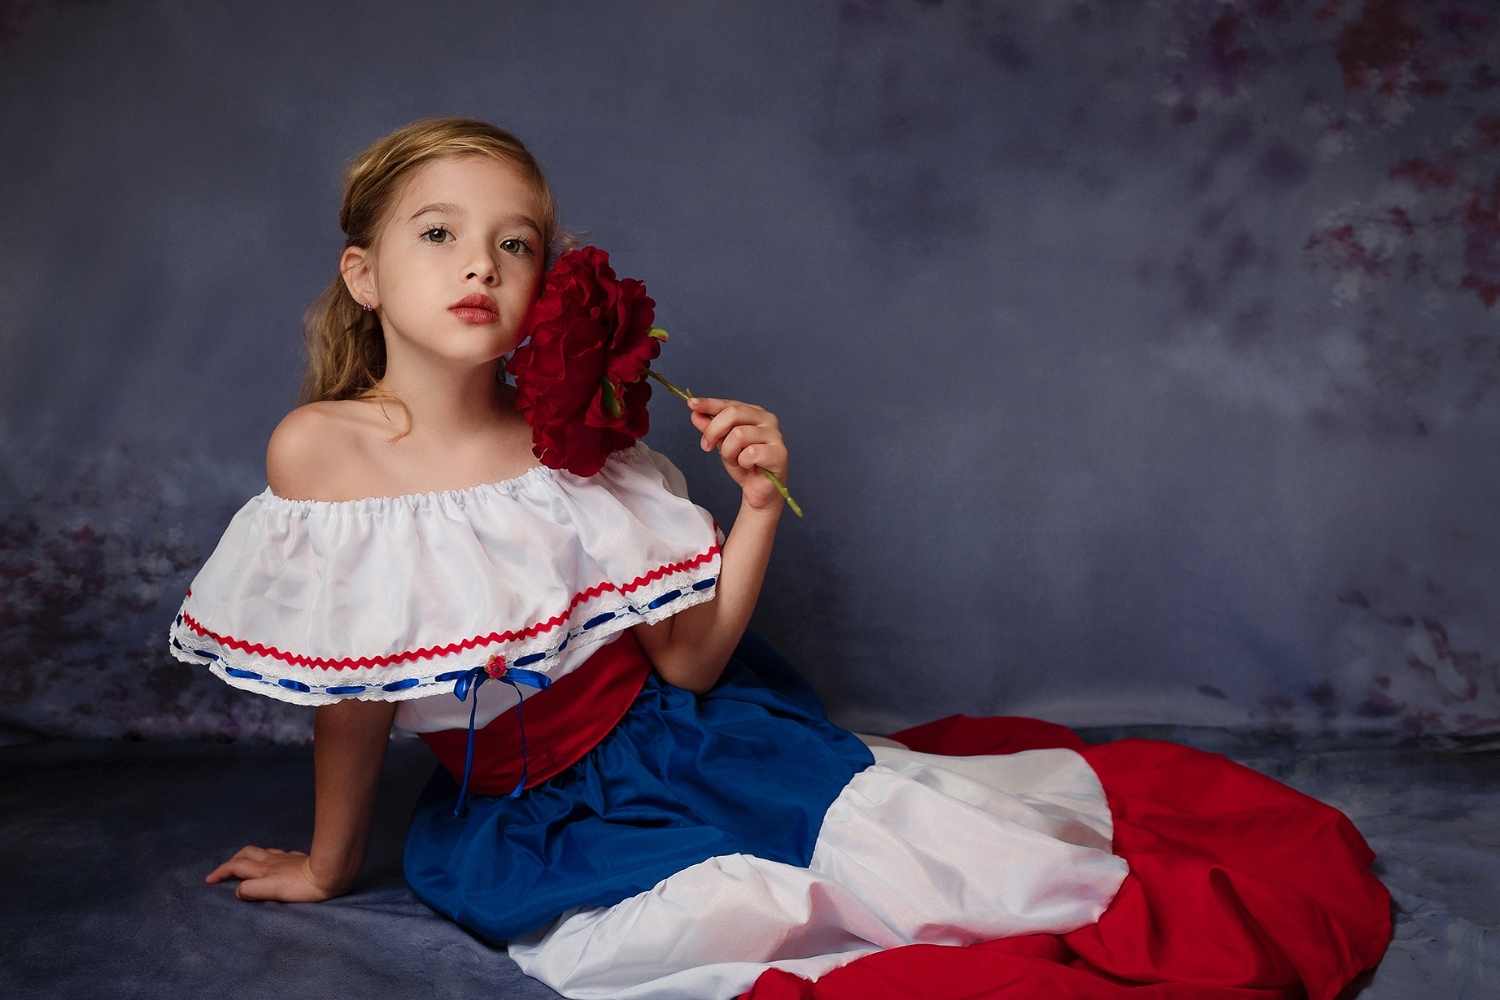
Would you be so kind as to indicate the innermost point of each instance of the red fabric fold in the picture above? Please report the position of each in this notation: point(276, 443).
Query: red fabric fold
point(1240, 888)
point(557, 734)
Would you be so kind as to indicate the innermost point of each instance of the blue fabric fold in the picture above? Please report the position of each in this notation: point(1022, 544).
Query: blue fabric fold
point(750, 766)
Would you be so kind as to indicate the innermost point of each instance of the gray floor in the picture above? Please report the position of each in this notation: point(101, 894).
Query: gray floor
point(104, 847)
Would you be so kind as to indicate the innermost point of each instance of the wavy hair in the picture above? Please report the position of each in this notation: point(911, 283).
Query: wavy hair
point(345, 344)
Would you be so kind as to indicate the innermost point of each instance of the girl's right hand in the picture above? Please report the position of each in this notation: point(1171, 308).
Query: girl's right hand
point(269, 873)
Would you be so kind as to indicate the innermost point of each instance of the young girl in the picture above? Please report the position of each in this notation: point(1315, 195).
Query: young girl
point(632, 794)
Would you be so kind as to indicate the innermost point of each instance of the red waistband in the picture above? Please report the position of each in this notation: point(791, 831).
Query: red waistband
point(563, 721)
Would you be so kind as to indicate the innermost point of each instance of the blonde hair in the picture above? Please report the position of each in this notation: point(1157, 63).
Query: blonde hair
point(345, 344)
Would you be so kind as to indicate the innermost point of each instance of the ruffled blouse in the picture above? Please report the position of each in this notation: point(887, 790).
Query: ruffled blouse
point(401, 598)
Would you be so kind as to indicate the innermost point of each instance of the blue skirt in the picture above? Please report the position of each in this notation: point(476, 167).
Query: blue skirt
point(750, 767)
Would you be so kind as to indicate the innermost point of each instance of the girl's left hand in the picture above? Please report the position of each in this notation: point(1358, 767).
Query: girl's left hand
point(746, 436)
point(269, 873)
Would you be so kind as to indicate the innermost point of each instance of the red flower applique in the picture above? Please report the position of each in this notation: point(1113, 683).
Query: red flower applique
point(495, 666)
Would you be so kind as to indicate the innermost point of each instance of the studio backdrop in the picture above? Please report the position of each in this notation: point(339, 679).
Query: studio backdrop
point(1139, 362)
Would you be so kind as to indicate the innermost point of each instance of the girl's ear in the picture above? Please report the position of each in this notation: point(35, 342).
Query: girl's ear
point(354, 266)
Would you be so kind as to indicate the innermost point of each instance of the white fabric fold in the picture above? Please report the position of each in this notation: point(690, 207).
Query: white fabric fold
point(391, 598)
point(917, 848)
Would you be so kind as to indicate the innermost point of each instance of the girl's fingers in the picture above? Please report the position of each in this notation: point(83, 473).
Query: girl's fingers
point(249, 853)
point(722, 417)
point(249, 890)
point(745, 435)
point(766, 454)
point(240, 868)
point(755, 454)
point(742, 436)
point(732, 416)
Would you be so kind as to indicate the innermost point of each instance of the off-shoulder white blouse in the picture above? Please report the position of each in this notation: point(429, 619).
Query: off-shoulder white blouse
point(393, 598)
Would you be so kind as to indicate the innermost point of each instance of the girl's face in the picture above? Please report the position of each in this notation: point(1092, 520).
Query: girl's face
point(462, 225)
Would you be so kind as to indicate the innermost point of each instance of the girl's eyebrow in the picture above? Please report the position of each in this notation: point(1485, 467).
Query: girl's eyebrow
point(452, 209)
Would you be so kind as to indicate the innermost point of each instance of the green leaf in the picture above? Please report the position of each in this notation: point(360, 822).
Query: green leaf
point(611, 401)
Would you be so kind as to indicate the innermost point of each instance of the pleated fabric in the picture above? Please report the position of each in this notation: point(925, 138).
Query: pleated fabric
point(916, 847)
point(739, 844)
point(400, 598)
point(749, 767)
point(1240, 888)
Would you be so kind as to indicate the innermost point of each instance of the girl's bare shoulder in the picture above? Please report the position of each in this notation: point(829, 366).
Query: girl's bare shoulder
point(349, 449)
point(314, 450)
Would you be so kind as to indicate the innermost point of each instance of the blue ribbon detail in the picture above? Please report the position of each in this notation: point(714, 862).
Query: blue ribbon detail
point(470, 680)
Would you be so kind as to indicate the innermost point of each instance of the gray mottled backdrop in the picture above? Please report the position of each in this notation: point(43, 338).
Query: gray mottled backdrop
point(1138, 361)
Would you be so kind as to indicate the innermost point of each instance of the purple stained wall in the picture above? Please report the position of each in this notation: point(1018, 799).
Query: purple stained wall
point(1138, 362)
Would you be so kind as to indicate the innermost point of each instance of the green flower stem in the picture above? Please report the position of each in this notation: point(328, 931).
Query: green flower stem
point(686, 395)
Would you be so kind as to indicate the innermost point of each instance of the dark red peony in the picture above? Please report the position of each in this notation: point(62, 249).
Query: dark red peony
point(586, 347)
point(581, 375)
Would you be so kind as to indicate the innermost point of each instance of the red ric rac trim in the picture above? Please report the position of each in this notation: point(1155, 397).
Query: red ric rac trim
point(391, 659)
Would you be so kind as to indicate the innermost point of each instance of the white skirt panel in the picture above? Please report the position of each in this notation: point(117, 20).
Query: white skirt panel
point(916, 849)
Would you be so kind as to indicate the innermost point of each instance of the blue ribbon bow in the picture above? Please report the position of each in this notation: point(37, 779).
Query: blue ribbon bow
point(470, 680)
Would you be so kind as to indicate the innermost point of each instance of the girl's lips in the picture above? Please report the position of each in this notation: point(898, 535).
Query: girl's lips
point(470, 314)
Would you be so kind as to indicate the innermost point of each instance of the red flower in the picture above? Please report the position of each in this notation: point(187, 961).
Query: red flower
point(581, 378)
point(586, 351)
point(495, 666)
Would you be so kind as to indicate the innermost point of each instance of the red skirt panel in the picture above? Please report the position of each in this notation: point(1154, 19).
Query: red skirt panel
point(1240, 888)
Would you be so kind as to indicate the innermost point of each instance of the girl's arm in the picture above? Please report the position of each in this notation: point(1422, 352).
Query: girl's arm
point(349, 744)
point(704, 637)
point(349, 737)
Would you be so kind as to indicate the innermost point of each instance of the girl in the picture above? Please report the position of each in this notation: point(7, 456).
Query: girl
point(632, 794)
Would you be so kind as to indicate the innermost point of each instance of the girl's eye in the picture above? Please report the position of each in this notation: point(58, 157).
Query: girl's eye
point(525, 246)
